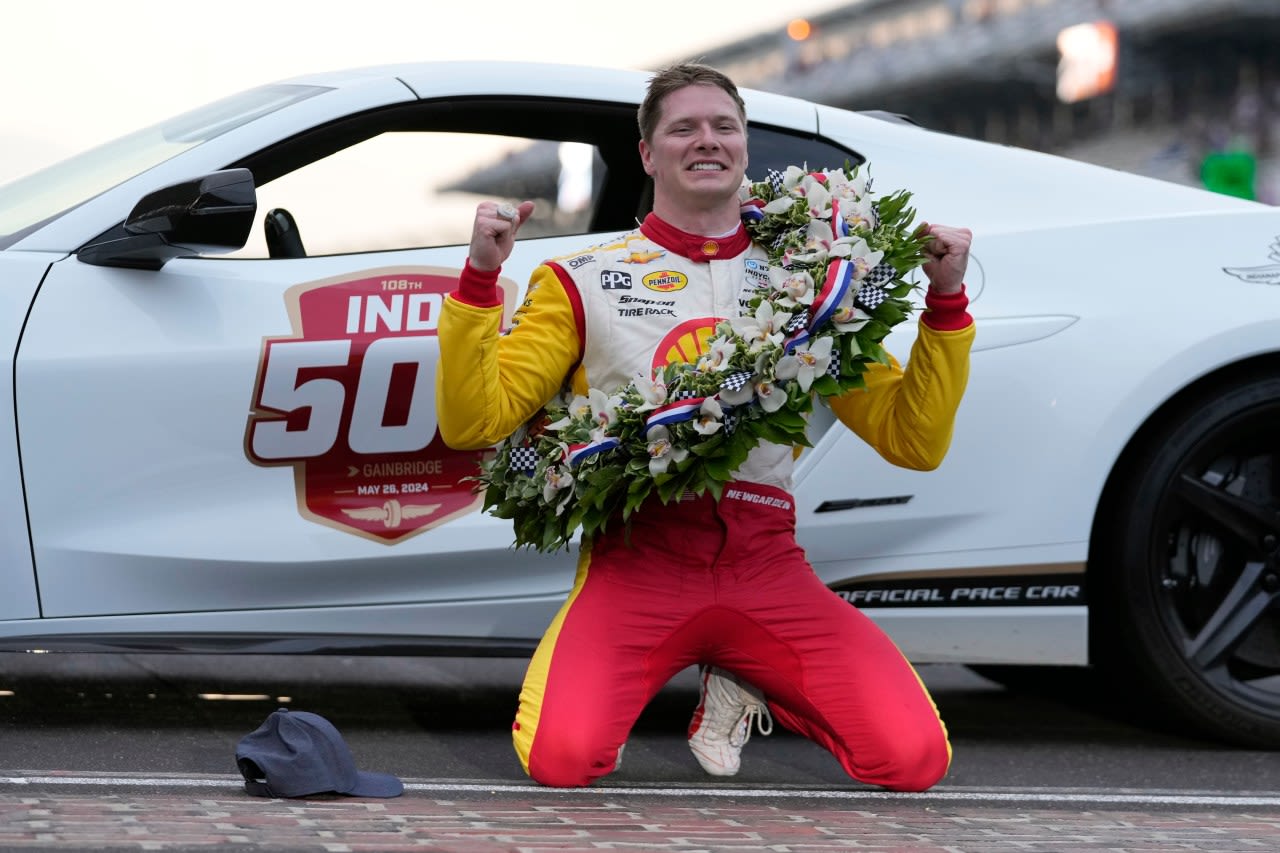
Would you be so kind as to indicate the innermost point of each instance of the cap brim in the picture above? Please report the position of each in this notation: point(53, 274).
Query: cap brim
point(369, 784)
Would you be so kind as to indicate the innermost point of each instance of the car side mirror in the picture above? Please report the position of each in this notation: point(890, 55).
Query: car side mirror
point(207, 215)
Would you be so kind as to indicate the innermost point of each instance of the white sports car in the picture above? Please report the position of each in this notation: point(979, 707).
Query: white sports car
point(221, 341)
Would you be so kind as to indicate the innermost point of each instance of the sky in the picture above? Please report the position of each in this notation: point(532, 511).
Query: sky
point(82, 72)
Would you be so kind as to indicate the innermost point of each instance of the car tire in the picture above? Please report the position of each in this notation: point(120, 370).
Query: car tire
point(1185, 603)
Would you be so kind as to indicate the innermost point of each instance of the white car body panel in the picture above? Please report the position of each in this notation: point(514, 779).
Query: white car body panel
point(20, 276)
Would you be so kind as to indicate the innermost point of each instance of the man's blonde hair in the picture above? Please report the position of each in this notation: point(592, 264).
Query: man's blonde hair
point(676, 77)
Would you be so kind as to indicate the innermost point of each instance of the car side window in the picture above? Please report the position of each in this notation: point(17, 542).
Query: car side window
point(770, 149)
point(410, 176)
point(413, 189)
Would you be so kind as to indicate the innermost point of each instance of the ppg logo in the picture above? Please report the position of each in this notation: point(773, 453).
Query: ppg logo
point(615, 280)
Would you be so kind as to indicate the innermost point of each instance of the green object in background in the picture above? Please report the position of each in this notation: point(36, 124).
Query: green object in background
point(1230, 173)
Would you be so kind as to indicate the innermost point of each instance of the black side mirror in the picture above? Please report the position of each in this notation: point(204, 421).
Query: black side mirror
point(206, 215)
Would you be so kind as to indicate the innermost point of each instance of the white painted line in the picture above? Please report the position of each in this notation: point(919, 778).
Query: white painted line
point(989, 795)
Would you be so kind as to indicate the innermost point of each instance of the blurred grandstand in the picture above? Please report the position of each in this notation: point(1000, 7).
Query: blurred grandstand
point(1184, 90)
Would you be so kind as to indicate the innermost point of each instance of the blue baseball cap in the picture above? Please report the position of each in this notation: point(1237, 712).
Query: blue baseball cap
point(297, 753)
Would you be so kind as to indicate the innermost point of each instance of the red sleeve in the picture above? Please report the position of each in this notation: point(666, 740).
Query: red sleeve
point(946, 312)
point(478, 288)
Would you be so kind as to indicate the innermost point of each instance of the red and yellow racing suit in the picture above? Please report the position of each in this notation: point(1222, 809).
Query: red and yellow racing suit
point(698, 581)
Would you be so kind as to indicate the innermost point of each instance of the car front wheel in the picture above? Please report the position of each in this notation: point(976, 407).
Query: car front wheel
point(1187, 584)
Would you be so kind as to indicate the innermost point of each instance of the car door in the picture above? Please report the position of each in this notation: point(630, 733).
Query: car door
point(257, 432)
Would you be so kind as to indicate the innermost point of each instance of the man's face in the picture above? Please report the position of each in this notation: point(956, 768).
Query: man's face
point(698, 154)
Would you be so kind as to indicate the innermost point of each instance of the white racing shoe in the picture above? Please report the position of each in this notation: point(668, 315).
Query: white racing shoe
point(722, 722)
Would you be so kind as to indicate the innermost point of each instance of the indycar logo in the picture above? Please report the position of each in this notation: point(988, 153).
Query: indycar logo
point(348, 400)
point(1267, 274)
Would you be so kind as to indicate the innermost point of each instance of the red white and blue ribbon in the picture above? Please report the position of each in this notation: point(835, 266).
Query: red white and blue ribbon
point(671, 413)
point(576, 453)
point(752, 210)
point(839, 279)
point(839, 226)
point(790, 344)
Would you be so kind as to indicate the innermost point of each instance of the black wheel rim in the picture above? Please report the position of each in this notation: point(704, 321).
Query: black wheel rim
point(1216, 559)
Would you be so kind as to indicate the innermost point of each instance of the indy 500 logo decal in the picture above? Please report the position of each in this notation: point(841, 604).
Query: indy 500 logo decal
point(348, 400)
point(1265, 274)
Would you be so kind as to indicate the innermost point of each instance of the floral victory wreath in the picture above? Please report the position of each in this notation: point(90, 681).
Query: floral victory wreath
point(837, 262)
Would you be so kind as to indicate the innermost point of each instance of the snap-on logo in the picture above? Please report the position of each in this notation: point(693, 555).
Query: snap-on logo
point(665, 281)
point(615, 280)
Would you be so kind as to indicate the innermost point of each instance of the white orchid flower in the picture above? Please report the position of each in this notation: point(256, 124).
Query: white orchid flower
point(859, 214)
point(770, 395)
point(848, 317)
point(846, 188)
point(738, 396)
point(652, 391)
point(709, 417)
point(818, 197)
point(806, 363)
point(791, 177)
point(604, 409)
point(765, 327)
point(859, 254)
point(781, 204)
point(661, 451)
point(557, 480)
point(817, 244)
point(579, 407)
point(716, 358)
point(796, 286)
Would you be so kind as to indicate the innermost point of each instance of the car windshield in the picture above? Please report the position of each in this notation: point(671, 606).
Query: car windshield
point(43, 195)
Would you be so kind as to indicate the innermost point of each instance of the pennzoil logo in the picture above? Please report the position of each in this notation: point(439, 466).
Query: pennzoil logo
point(348, 401)
point(665, 281)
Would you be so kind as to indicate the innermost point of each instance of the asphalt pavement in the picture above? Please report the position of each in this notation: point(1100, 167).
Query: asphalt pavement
point(137, 752)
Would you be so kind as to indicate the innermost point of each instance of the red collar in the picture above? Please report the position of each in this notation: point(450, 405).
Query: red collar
point(695, 247)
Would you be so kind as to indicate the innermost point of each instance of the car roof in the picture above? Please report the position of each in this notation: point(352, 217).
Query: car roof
point(430, 80)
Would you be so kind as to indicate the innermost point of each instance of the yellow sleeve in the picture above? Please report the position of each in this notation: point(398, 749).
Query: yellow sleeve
point(487, 383)
point(908, 415)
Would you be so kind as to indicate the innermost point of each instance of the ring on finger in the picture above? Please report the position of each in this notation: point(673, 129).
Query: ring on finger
point(508, 212)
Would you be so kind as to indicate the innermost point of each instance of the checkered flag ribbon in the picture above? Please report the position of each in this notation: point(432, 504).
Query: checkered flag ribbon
point(684, 394)
point(796, 323)
point(774, 179)
point(870, 296)
point(730, 421)
point(833, 366)
point(523, 459)
point(883, 273)
point(736, 381)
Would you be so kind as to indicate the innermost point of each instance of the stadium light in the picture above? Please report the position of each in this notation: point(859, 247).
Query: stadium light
point(798, 29)
point(1087, 60)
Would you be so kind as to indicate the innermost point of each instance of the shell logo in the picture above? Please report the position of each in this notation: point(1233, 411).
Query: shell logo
point(665, 281)
point(684, 343)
